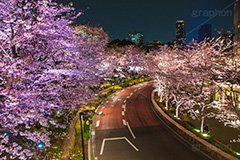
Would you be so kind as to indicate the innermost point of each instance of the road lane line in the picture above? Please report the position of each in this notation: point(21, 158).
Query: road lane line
point(128, 97)
point(131, 94)
point(98, 123)
point(100, 112)
point(113, 139)
point(135, 90)
point(124, 122)
point(124, 101)
point(102, 147)
point(129, 128)
point(131, 144)
point(124, 107)
point(123, 113)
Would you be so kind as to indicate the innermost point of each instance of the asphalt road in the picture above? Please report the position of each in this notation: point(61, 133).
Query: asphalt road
point(129, 130)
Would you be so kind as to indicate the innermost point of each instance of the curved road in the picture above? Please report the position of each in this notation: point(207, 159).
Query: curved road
point(128, 129)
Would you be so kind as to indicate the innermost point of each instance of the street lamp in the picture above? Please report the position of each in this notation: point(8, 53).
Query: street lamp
point(81, 123)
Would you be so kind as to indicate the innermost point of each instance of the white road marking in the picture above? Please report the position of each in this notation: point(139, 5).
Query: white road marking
point(129, 128)
point(93, 133)
point(135, 90)
point(113, 139)
point(100, 112)
point(124, 101)
point(124, 122)
point(123, 114)
point(107, 101)
point(124, 107)
point(96, 158)
point(131, 94)
point(131, 144)
point(119, 99)
point(128, 97)
point(98, 123)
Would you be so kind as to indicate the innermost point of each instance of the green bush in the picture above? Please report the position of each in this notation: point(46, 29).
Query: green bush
point(185, 119)
point(172, 110)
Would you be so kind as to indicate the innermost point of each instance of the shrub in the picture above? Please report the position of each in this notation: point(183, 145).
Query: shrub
point(106, 85)
point(172, 110)
point(185, 119)
point(117, 88)
point(104, 94)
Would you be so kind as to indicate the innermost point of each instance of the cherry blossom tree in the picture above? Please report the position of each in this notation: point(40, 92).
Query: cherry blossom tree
point(127, 56)
point(194, 72)
point(46, 73)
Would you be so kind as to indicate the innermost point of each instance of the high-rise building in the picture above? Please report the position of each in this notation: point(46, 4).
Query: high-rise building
point(180, 32)
point(135, 37)
point(205, 31)
point(237, 25)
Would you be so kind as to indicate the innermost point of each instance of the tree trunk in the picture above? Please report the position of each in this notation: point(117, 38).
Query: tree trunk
point(13, 50)
point(9, 83)
point(177, 111)
point(166, 105)
point(161, 98)
point(202, 124)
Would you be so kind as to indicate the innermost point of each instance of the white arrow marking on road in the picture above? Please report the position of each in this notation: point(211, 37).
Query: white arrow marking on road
point(129, 128)
point(112, 139)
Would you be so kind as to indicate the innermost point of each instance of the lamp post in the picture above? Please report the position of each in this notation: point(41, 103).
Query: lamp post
point(81, 123)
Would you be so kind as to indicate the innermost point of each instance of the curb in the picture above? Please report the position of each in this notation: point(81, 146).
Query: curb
point(198, 143)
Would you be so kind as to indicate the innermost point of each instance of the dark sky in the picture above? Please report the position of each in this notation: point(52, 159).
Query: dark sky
point(155, 18)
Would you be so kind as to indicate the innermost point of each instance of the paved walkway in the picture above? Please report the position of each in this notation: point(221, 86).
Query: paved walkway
point(222, 133)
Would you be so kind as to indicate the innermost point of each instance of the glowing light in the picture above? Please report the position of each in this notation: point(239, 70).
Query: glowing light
point(197, 130)
point(5, 134)
point(40, 145)
point(205, 134)
point(237, 153)
point(17, 111)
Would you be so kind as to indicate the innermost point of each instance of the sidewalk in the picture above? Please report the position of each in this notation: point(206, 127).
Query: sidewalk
point(222, 133)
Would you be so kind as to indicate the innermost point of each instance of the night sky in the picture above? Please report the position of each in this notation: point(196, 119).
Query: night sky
point(155, 18)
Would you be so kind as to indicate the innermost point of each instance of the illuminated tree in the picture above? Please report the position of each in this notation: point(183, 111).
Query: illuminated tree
point(46, 74)
point(193, 74)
